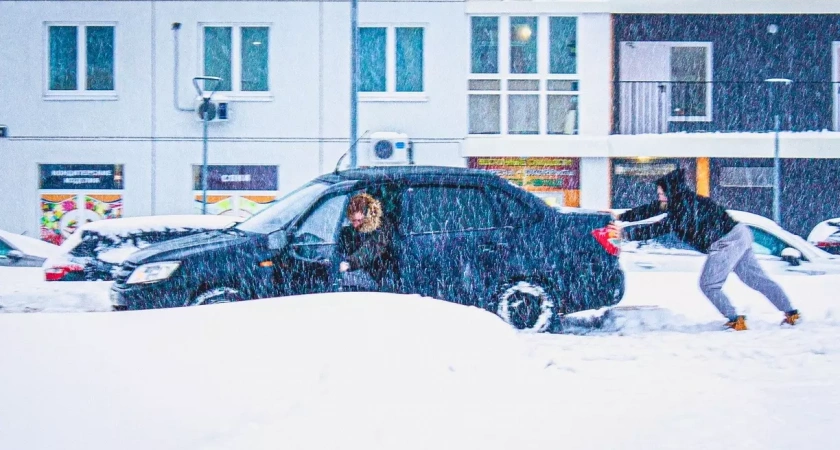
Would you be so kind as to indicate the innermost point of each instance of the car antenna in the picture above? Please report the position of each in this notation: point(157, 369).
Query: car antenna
point(348, 150)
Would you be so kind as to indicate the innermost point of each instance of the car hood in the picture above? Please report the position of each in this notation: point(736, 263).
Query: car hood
point(187, 246)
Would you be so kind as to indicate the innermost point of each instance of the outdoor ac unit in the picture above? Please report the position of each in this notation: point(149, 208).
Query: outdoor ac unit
point(388, 148)
point(217, 109)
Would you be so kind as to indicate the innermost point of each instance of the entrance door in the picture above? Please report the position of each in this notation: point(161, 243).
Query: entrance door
point(835, 78)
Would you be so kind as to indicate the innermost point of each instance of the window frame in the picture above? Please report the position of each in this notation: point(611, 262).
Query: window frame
point(709, 46)
point(81, 92)
point(236, 92)
point(543, 75)
point(390, 94)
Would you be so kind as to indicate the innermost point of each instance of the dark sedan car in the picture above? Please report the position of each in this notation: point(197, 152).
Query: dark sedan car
point(462, 235)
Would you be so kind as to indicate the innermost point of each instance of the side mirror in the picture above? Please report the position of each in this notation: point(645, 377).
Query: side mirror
point(278, 240)
point(792, 256)
point(15, 255)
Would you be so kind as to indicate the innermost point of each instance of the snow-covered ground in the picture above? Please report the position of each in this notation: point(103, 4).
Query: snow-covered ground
point(378, 371)
point(24, 289)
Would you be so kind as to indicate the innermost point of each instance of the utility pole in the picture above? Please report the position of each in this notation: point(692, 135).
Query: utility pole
point(777, 163)
point(205, 118)
point(354, 80)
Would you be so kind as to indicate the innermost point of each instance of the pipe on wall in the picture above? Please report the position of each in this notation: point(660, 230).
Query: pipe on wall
point(175, 27)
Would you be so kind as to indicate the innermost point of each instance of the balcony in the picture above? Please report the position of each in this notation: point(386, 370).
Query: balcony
point(654, 107)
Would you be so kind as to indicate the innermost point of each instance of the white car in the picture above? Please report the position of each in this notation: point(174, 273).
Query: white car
point(778, 250)
point(826, 235)
point(17, 250)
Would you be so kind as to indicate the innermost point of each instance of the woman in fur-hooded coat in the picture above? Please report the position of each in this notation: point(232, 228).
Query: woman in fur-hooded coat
point(366, 243)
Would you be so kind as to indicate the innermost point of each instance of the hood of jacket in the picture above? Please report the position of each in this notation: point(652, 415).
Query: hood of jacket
point(673, 182)
point(373, 214)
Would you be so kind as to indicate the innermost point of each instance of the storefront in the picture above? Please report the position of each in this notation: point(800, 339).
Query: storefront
point(633, 178)
point(554, 179)
point(235, 190)
point(74, 194)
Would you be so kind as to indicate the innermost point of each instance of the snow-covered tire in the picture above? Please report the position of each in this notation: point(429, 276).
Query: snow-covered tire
point(526, 306)
point(216, 295)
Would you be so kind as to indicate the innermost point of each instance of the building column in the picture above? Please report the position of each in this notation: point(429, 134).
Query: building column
point(595, 183)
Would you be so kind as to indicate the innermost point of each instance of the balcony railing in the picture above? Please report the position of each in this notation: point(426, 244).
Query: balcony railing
point(641, 107)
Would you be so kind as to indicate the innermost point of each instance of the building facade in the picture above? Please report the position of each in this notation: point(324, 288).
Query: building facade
point(583, 102)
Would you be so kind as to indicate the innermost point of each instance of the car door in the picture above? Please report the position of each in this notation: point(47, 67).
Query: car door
point(768, 249)
point(310, 264)
point(453, 248)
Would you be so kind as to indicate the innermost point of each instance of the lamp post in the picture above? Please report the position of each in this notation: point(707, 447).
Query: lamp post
point(777, 165)
point(205, 117)
point(354, 80)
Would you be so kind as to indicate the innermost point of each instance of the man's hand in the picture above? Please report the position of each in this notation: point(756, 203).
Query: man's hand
point(344, 266)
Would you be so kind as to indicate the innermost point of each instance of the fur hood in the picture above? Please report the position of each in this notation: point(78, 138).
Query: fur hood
point(373, 213)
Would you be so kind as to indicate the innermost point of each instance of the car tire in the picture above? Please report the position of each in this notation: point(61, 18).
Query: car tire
point(216, 295)
point(527, 306)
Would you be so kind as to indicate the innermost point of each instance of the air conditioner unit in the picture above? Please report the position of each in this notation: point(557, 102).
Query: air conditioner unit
point(217, 109)
point(387, 148)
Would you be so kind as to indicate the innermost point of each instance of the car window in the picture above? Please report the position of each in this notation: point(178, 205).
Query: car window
point(447, 209)
point(765, 243)
point(285, 210)
point(512, 211)
point(4, 248)
point(321, 225)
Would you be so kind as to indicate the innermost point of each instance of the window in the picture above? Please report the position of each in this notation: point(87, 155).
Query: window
point(314, 236)
point(391, 60)
point(4, 248)
point(449, 209)
point(690, 66)
point(765, 243)
point(81, 59)
point(239, 56)
point(524, 75)
point(749, 177)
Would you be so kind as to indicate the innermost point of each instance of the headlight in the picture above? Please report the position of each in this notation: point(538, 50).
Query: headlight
point(148, 273)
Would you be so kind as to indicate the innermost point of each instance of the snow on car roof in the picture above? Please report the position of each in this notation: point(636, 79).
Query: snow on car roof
point(30, 246)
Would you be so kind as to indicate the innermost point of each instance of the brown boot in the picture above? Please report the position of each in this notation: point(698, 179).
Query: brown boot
point(739, 323)
point(791, 317)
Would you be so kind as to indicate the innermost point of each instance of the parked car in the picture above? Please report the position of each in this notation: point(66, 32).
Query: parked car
point(777, 250)
point(95, 249)
point(826, 235)
point(462, 235)
point(17, 250)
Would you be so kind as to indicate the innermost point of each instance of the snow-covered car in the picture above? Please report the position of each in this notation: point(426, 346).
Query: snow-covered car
point(96, 248)
point(826, 235)
point(17, 250)
point(777, 249)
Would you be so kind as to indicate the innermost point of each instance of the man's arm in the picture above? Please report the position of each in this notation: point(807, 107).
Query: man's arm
point(641, 212)
point(647, 231)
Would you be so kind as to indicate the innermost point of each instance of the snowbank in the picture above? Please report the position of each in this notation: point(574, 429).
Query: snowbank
point(30, 246)
point(23, 289)
point(372, 371)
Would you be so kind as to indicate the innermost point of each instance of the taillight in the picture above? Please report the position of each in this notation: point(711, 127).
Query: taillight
point(56, 273)
point(609, 237)
point(828, 244)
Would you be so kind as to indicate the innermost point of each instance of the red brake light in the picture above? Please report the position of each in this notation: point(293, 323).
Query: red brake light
point(56, 273)
point(609, 238)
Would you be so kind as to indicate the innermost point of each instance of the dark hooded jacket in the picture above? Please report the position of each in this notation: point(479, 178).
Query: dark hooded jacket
point(695, 219)
point(369, 248)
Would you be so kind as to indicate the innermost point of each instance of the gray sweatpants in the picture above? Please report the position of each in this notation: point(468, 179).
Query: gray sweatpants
point(734, 252)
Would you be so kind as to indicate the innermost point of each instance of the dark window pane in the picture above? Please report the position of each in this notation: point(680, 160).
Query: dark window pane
point(442, 209)
point(485, 45)
point(409, 60)
point(523, 45)
point(217, 56)
point(562, 37)
point(63, 58)
point(484, 114)
point(372, 59)
point(255, 58)
point(100, 58)
point(688, 76)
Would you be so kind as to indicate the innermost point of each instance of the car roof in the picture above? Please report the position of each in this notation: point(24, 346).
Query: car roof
point(409, 173)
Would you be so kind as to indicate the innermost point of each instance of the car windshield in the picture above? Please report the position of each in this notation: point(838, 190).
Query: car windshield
point(286, 209)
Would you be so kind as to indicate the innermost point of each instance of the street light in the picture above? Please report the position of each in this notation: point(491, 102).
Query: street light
point(204, 110)
point(777, 165)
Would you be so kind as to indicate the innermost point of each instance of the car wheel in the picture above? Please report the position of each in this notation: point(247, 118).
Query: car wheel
point(526, 306)
point(217, 295)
